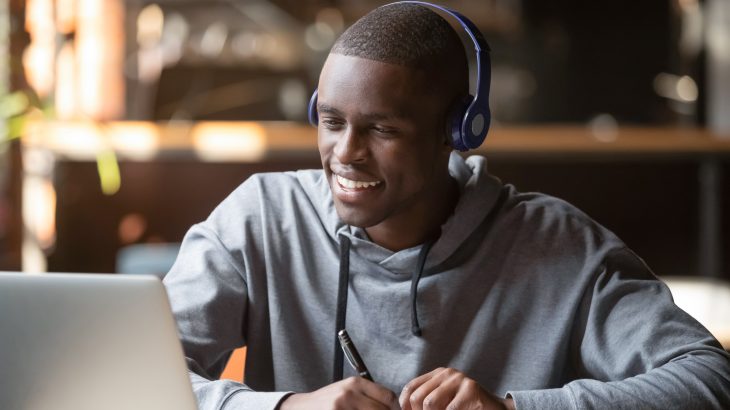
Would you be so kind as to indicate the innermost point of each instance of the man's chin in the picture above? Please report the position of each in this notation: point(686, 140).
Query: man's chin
point(355, 217)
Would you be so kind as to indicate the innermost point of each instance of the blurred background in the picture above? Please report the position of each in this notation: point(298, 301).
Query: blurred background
point(125, 122)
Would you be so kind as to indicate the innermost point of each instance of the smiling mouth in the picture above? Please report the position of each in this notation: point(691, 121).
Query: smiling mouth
point(350, 184)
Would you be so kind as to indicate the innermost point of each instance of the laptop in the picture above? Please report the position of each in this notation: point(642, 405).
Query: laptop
point(89, 341)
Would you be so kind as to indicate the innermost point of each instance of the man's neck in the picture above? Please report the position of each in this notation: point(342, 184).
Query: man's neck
point(418, 225)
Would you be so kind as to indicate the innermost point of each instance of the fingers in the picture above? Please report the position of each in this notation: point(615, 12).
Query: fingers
point(472, 396)
point(466, 396)
point(364, 394)
point(377, 393)
point(447, 389)
point(414, 384)
point(432, 390)
point(352, 393)
point(440, 390)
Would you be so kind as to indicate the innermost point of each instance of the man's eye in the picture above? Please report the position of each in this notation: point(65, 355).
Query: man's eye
point(331, 124)
point(384, 130)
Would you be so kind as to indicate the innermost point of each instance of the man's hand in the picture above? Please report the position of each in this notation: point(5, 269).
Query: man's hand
point(351, 393)
point(449, 389)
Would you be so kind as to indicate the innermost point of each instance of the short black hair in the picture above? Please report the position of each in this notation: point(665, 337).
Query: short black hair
point(405, 34)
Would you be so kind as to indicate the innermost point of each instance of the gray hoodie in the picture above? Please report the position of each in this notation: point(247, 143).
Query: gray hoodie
point(522, 292)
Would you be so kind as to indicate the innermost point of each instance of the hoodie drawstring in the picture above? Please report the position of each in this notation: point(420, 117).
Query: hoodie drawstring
point(342, 299)
point(341, 305)
point(415, 327)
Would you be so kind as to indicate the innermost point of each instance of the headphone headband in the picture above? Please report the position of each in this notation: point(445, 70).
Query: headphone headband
point(471, 123)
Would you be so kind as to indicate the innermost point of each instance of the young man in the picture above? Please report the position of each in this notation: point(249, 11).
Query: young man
point(459, 291)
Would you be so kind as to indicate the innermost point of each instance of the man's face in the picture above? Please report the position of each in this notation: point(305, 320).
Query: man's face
point(381, 140)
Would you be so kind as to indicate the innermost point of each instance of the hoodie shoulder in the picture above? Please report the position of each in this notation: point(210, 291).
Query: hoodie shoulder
point(548, 219)
point(278, 199)
point(271, 198)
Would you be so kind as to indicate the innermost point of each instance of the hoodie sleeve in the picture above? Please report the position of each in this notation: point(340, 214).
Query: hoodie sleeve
point(208, 295)
point(633, 348)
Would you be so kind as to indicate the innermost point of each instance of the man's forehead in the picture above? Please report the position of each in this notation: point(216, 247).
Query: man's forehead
point(373, 88)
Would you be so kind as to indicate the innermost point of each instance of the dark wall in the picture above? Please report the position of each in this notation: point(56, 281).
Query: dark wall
point(170, 196)
point(595, 57)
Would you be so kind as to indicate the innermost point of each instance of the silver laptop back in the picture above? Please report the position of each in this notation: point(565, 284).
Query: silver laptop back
point(89, 341)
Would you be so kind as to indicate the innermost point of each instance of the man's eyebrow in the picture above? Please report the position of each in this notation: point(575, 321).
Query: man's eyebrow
point(324, 108)
point(328, 109)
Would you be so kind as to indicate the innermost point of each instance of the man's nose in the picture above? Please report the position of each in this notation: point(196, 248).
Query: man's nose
point(351, 147)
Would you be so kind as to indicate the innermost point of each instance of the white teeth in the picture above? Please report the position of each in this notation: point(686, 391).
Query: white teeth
point(348, 183)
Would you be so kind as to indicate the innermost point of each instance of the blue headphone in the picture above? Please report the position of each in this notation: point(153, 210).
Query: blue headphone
point(470, 121)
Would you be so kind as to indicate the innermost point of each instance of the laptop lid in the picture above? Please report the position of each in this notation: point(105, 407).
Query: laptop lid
point(89, 341)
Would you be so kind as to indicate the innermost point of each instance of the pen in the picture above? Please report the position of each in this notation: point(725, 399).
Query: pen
point(352, 355)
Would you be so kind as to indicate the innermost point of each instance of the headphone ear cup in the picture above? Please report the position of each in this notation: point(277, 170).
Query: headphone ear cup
point(312, 109)
point(455, 123)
